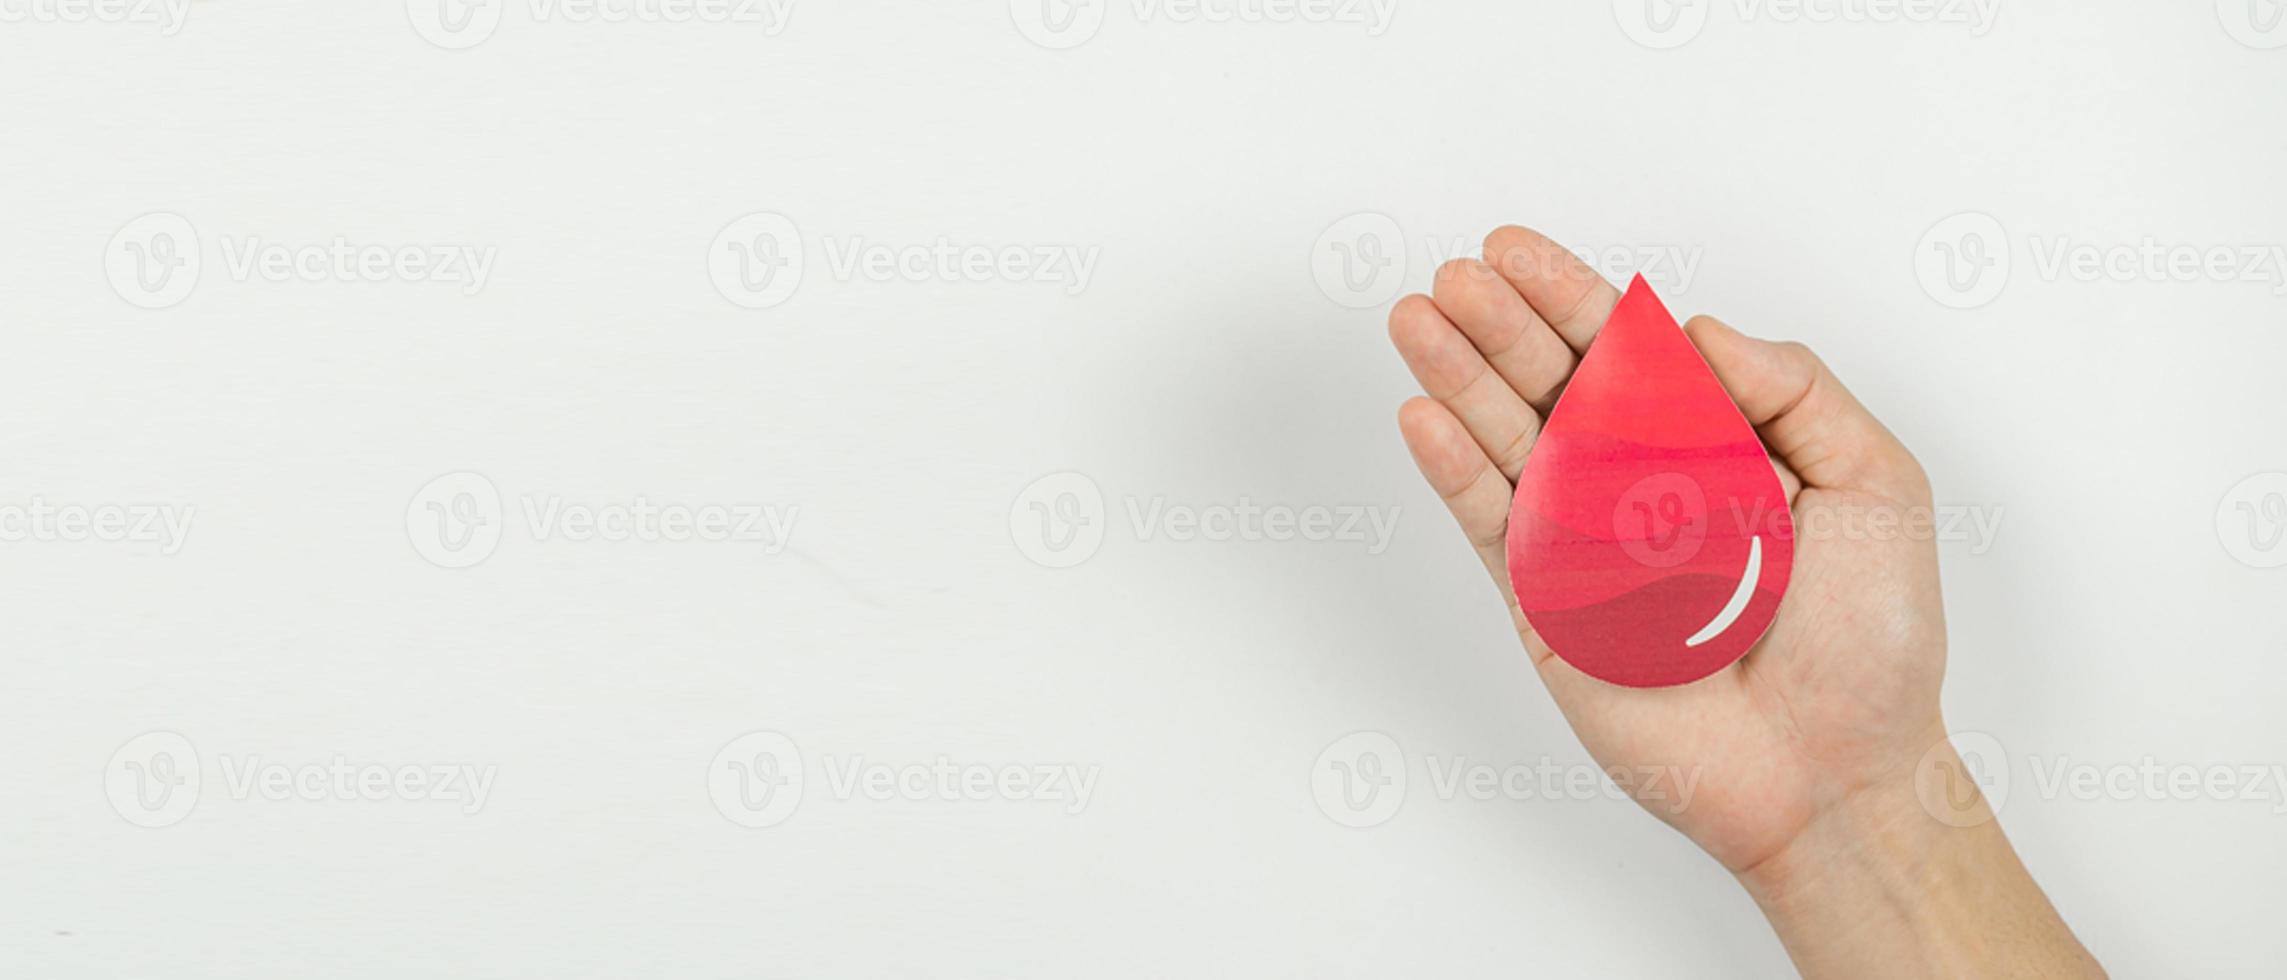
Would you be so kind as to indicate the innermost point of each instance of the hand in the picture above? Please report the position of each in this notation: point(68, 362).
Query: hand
point(1806, 750)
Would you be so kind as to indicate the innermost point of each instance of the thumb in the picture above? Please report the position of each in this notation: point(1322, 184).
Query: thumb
point(1805, 415)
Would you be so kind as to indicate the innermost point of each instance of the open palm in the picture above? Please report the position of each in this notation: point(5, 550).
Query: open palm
point(1842, 693)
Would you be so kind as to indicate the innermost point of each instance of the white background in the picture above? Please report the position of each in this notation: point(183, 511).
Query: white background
point(1799, 162)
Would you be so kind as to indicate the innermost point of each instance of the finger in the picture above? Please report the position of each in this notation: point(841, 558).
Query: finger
point(1479, 500)
point(1521, 348)
point(1453, 372)
point(1807, 418)
point(1465, 478)
point(1573, 299)
point(1788, 481)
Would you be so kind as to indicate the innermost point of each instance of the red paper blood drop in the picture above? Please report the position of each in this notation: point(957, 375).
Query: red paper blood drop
point(1649, 541)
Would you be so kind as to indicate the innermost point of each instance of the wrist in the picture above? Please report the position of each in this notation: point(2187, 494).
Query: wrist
point(1910, 875)
point(1881, 835)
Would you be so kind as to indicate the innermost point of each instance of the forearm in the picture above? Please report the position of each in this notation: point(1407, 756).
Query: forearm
point(1880, 887)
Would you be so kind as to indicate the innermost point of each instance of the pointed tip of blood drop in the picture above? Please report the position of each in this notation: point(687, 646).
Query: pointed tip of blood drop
point(1639, 330)
point(1642, 368)
point(1640, 304)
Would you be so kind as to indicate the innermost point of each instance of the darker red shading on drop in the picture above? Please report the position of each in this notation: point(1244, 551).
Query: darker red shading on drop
point(1642, 508)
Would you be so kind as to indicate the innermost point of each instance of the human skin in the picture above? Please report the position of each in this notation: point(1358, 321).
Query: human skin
point(1826, 782)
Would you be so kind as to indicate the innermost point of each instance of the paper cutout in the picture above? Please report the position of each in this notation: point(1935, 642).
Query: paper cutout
point(1649, 540)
